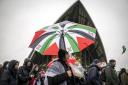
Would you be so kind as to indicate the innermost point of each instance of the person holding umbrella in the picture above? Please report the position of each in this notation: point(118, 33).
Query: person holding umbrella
point(59, 73)
point(50, 40)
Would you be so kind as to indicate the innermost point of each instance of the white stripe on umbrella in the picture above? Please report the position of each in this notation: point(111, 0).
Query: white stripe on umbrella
point(38, 47)
point(55, 40)
point(75, 35)
point(86, 31)
point(68, 45)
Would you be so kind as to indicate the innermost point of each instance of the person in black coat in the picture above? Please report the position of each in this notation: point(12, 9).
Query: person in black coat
point(9, 76)
point(93, 75)
point(24, 72)
point(5, 65)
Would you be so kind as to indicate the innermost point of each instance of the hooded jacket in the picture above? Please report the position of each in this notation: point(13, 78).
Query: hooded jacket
point(111, 75)
point(93, 76)
point(23, 73)
point(9, 77)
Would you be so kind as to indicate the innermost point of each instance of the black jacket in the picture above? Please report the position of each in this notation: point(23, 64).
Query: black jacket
point(9, 77)
point(93, 76)
point(23, 73)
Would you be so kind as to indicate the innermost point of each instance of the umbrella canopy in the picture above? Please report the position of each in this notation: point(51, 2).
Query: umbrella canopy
point(66, 35)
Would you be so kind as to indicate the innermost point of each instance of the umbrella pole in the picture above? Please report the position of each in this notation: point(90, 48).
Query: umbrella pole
point(31, 53)
point(62, 42)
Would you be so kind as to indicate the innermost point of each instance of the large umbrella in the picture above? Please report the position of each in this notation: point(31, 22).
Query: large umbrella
point(67, 35)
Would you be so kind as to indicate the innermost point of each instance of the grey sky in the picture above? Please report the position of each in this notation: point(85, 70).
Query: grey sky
point(19, 19)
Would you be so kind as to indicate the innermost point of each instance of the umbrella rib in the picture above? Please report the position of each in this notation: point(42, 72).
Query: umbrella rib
point(73, 43)
point(61, 42)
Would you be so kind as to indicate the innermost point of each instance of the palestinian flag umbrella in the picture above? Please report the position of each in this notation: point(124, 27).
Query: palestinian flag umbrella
point(67, 35)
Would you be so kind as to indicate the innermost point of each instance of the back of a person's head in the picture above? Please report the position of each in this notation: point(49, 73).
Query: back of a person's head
point(123, 70)
point(62, 53)
point(26, 61)
point(95, 61)
point(11, 64)
point(112, 61)
point(5, 65)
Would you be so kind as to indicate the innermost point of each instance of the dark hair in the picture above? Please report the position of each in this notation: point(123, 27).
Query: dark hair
point(95, 61)
point(112, 61)
point(26, 61)
point(123, 70)
point(5, 65)
point(11, 64)
point(61, 54)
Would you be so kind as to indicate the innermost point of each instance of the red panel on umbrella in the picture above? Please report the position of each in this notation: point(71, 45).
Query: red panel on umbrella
point(37, 35)
point(52, 50)
point(84, 43)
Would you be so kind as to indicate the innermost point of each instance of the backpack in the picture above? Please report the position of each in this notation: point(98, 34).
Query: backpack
point(103, 75)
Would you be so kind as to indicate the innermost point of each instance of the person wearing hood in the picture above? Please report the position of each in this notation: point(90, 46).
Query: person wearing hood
point(24, 72)
point(59, 73)
point(9, 76)
point(111, 74)
point(123, 77)
point(5, 65)
point(93, 74)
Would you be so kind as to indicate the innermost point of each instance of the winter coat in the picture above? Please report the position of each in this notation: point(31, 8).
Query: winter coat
point(124, 79)
point(93, 76)
point(23, 74)
point(111, 75)
point(9, 77)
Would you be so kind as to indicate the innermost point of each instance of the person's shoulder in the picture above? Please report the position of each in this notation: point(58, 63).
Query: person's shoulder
point(93, 67)
point(55, 63)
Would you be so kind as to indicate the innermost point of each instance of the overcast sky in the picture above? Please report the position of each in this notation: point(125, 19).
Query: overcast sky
point(19, 19)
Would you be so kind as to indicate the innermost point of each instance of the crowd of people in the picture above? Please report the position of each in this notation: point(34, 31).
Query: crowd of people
point(61, 72)
point(28, 74)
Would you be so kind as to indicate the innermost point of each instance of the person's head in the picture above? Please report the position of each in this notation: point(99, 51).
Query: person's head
point(123, 70)
point(112, 62)
point(13, 65)
point(96, 62)
point(28, 63)
point(63, 55)
point(5, 65)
